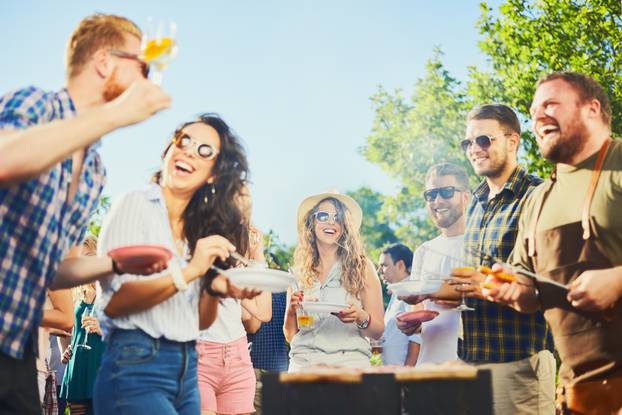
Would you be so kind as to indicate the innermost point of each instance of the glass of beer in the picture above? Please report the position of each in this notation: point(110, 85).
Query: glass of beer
point(304, 319)
point(159, 46)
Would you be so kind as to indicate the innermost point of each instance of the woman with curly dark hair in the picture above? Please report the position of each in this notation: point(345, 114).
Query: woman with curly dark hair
point(151, 322)
point(331, 266)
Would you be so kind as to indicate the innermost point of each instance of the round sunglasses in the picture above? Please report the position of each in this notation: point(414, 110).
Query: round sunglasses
point(446, 192)
point(204, 151)
point(324, 217)
point(483, 141)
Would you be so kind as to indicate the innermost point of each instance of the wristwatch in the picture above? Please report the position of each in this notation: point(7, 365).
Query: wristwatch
point(365, 323)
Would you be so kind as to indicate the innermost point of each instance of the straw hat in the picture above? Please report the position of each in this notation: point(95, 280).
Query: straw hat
point(309, 203)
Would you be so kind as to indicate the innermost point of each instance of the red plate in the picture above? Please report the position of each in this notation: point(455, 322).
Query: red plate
point(420, 316)
point(140, 255)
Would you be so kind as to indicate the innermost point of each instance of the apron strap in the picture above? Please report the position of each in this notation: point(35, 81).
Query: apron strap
point(531, 232)
point(585, 216)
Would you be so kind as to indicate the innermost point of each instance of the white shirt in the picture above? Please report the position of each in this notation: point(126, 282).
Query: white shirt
point(228, 325)
point(395, 343)
point(140, 218)
point(439, 337)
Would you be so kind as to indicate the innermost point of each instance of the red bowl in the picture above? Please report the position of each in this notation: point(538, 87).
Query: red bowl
point(140, 255)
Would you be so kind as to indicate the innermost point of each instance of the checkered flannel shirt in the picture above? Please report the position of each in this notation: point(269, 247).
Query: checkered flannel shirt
point(495, 333)
point(37, 225)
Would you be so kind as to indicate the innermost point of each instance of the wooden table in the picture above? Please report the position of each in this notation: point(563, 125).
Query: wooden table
point(406, 392)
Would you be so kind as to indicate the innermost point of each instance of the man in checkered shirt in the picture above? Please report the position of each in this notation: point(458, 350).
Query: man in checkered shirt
point(516, 347)
point(51, 178)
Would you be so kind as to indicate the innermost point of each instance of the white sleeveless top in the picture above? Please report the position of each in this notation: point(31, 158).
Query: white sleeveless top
point(328, 340)
point(228, 325)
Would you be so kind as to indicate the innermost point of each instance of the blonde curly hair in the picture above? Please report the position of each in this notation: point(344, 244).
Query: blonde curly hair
point(350, 251)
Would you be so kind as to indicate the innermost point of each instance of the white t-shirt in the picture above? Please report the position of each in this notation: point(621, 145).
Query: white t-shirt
point(439, 337)
point(395, 343)
point(228, 325)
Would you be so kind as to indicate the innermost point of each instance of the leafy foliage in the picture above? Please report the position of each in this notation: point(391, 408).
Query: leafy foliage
point(523, 39)
point(526, 39)
point(376, 232)
point(95, 222)
point(410, 135)
point(278, 254)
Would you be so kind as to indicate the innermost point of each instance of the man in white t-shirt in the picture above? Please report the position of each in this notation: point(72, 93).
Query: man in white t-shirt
point(397, 348)
point(447, 195)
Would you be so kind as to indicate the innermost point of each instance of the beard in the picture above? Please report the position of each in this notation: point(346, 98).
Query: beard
point(567, 144)
point(113, 88)
point(446, 221)
point(497, 161)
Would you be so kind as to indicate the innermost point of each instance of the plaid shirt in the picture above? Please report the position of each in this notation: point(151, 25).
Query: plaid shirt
point(492, 332)
point(37, 225)
point(269, 350)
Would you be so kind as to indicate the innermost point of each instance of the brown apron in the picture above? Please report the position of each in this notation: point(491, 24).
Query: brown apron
point(589, 344)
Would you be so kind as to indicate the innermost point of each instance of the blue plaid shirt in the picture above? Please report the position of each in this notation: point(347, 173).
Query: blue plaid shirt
point(492, 332)
point(37, 225)
point(269, 349)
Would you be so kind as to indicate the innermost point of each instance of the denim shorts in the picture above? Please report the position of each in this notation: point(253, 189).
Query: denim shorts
point(143, 375)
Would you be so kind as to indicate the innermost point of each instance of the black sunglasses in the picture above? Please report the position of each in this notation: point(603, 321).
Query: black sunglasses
point(144, 66)
point(323, 217)
point(446, 192)
point(202, 150)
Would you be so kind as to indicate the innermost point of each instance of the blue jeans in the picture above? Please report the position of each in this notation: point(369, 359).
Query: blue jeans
point(143, 375)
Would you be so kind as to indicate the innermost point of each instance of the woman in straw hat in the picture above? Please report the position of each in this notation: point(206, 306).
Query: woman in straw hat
point(331, 266)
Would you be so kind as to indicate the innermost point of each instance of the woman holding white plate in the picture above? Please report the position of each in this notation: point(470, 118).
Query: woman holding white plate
point(339, 284)
point(151, 322)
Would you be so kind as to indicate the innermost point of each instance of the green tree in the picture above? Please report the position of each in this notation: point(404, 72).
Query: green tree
point(375, 230)
point(278, 254)
point(95, 222)
point(410, 135)
point(523, 40)
point(526, 39)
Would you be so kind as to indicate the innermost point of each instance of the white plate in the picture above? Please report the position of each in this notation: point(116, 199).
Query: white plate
point(319, 307)
point(272, 280)
point(415, 287)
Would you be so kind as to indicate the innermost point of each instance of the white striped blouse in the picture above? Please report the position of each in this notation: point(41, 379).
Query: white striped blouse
point(140, 218)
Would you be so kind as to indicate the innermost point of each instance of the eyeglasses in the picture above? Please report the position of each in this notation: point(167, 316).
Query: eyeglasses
point(446, 192)
point(144, 66)
point(483, 141)
point(202, 150)
point(324, 217)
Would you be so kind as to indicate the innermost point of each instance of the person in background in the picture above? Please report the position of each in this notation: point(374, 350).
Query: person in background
point(58, 366)
point(82, 364)
point(397, 348)
point(51, 178)
point(57, 319)
point(268, 345)
point(331, 266)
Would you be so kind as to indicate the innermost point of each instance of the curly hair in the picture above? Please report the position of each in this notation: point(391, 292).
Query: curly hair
point(350, 251)
point(223, 213)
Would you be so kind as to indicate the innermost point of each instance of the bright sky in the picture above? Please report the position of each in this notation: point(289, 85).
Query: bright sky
point(293, 78)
